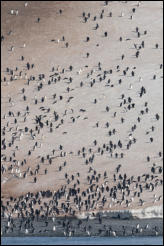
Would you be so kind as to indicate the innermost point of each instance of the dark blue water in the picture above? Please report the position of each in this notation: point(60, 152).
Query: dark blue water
point(82, 241)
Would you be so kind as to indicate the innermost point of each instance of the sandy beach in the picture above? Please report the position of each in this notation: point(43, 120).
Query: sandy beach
point(81, 112)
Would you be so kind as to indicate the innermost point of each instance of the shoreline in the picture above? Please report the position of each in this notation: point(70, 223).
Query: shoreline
point(142, 213)
point(135, 222)
point(116, 227)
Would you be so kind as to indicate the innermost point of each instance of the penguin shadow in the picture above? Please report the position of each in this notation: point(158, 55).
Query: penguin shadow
point(157, 48)
point(64, 47)
point(31, 182)
point(129, 76)
point(4, 71)
point(133, 56)
point(83, 21)
point(85, 57)
point(104, 111)
point(24, 67)
point(148, 142)
point(103, 36)
point(21, 60)
point(120, 16)
point(81, 16)
point(132, 49)
point(50, 41)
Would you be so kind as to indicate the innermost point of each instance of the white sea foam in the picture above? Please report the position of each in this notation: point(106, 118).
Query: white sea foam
point(143, 213)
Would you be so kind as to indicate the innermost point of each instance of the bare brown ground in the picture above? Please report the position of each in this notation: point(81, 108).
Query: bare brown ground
point(46, 54)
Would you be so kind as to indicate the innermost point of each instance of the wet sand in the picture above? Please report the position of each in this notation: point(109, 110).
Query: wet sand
point(108, 227)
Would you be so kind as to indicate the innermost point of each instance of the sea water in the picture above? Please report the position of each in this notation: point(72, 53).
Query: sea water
point(82, 241)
